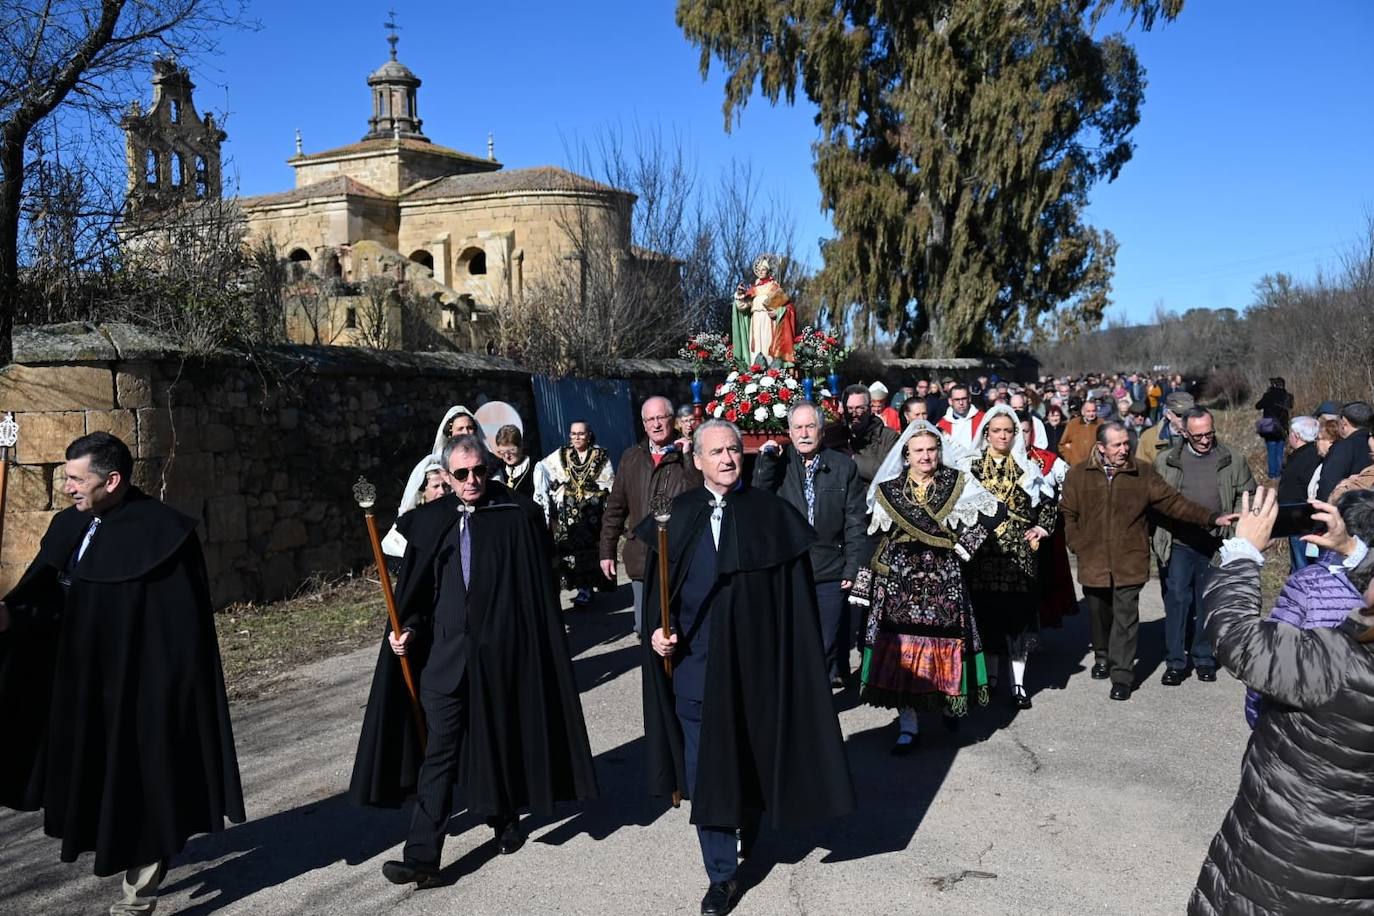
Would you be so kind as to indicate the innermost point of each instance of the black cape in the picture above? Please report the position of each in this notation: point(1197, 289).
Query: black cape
point(112, 701)
point(770, 739)
point(526, 743)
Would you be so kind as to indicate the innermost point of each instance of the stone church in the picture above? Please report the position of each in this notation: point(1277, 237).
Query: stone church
point(458, 232)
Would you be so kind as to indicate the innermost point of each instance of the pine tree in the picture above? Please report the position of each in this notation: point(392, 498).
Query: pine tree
point(958, 142)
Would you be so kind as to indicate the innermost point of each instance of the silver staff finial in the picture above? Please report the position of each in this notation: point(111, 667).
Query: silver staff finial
point(364, 493)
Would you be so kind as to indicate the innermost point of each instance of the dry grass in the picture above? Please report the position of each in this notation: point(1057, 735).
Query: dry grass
point(262, 643)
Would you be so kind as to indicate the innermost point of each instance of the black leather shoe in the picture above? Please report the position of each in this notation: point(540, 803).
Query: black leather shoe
point(416, 873)
point(718, 899)
point(1175, 676)
point(1101, 671)
point(509, 838)
point(837, 682)
point(1121, 691)
point(902, 748)
point(1019, 697)
point(1206, 673)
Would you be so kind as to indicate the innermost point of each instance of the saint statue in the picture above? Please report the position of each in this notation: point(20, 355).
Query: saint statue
point(764, 321)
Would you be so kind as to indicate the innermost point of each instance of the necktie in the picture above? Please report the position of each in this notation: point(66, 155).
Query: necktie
point(717, 514)
point(86, 541)
point(465, 545)
point(810, 491)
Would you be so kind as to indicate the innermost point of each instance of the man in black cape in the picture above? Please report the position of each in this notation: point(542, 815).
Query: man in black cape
point(481, 625)
point(745, 725)
point(112, 702)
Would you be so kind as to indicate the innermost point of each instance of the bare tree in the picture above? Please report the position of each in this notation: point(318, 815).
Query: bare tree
point(77, 57)
point(379, 298)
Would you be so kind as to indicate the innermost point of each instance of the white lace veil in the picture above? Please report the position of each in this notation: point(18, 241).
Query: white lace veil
point(394, 545)
point(441, 435)
point(1032, 481)
point(972, 502)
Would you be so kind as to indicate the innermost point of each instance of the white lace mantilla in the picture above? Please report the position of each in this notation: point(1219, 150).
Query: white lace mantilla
point(973, 501)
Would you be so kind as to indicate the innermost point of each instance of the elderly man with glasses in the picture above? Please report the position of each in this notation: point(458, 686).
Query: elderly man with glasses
point(1211, 475)
point(657, 466)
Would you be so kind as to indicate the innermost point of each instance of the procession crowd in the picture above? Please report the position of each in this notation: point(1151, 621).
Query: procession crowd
point(910, 546)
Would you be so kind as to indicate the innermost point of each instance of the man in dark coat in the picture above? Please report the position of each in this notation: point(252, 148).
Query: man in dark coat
point(659, 466)
point(1351, 454)
point(112, 701)
point(822, 485)
point(481, 624)
point(745, 723)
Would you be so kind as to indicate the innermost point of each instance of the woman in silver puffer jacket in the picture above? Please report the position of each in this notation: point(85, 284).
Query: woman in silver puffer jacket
point(1299, 837)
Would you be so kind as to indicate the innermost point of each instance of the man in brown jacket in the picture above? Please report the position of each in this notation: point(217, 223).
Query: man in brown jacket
point(1104, 505)
point(1076, 443)
point(647, 469)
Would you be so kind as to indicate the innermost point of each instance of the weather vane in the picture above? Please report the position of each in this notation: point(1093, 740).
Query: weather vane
point(391, 25)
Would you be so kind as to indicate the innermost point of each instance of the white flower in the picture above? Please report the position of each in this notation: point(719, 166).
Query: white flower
point(732, 376)
point(779, 410)
point(791, 383)
point(751, 388)
point(767, 381)
point(719, 411)
point(760, 414)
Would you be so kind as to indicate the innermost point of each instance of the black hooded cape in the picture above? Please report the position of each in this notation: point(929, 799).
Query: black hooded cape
point(112, 701)
point(526, 743)
point(770, 739)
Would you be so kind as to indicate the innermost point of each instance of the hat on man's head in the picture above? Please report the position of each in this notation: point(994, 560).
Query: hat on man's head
point(878, 391)
point(1179, 401)
point(1328, 409)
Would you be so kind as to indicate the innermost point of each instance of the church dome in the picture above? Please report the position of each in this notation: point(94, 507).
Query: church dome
point(393, 71)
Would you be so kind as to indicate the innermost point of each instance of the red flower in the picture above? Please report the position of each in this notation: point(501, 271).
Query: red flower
point(730, 398)
point(765, 398)
point(785, 395)
point(755, 368)
point(731, 415)
point(744, 406)
point(744, 379)
point(711, 407)
point(772, 373)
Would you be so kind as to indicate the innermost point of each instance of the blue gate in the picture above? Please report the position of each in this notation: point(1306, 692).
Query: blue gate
point(603, 403)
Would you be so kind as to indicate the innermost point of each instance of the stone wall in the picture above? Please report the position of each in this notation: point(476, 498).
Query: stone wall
point(264, 453)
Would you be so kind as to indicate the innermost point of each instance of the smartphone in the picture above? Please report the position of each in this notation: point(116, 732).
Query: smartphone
point(1295, 520)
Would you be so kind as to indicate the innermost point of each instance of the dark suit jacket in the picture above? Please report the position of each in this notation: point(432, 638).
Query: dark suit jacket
point(1349, 456)
point(840, 508)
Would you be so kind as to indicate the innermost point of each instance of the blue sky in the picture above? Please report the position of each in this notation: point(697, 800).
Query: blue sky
point(1253, 153)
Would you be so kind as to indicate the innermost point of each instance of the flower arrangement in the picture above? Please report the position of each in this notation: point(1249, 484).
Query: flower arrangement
point(817, 350)
point(706, 348)
point(756, 399)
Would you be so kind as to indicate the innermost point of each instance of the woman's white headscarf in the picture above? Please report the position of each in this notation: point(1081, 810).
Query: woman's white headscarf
point(1032, 481)
point(441, 436)
point(394, 545)
point(973, 500)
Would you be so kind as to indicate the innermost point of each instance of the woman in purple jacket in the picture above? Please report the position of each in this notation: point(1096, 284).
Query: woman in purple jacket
point(1321, 594)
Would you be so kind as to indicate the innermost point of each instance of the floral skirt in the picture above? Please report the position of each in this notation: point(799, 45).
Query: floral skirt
point(903, 671)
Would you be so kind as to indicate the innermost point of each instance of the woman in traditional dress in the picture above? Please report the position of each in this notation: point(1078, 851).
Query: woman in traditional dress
point(572, 486)
point(922, 649)
point(426, 483)
point(1004, 577)
point(517, 468)
point(1057, 596)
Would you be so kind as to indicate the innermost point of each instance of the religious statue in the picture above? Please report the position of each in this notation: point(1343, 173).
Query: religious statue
point(764, 321)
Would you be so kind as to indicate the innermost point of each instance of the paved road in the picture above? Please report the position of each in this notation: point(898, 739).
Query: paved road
point(1081, 805)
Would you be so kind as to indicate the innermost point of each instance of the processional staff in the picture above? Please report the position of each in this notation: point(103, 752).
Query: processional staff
point(365, 494)
point(662, 509)
point(9, 435)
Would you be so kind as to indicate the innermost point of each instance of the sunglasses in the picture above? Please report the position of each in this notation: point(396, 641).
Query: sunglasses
point(479, 472)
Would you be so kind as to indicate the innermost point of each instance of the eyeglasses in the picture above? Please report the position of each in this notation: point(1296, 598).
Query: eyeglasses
point(658, 419)
point(1211, 435)
point(479, 472)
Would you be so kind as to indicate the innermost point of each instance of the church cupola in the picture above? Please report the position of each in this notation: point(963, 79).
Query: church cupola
point(395, 112)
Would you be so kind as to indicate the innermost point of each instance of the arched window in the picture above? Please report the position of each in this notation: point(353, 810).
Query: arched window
point(422, 257)
point(176, 112)
point(202, 178)
point(178, 171)
point(298, 256)
point(475, 259)
point(150, 167)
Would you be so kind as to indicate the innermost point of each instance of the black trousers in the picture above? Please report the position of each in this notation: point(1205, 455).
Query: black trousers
point(446, 722)
point(1114, 614)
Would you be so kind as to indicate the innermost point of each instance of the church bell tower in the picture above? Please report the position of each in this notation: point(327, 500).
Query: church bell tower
point(395, 113)
point(172, 153)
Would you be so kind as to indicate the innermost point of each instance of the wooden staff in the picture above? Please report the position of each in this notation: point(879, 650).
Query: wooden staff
point(366, 496)
point(662, 509)
point(9, 435)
